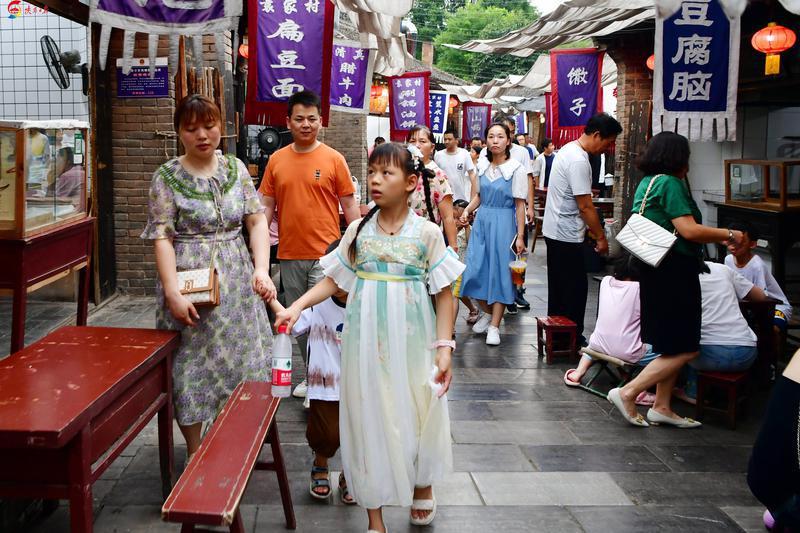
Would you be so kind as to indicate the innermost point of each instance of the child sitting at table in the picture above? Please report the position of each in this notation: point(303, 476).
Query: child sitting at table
point(745, 262)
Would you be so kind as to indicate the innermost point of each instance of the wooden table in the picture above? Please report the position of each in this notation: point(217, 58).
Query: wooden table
point(71, 402)
point(32, 262)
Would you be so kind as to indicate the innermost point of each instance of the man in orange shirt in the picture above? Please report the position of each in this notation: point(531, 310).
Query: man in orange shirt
point(306, 181)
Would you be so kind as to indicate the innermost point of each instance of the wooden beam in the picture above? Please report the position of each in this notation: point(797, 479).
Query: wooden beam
point(69, 9)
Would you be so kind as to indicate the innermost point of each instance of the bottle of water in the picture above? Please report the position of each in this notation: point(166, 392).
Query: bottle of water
point(281, 364)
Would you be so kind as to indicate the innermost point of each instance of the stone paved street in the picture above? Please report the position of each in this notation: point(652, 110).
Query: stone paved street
point(530, 454)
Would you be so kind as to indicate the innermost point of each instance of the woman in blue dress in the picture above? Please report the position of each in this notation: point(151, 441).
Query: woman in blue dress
point(498, 228)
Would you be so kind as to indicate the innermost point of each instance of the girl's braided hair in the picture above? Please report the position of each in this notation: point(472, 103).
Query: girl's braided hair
point(394, 154)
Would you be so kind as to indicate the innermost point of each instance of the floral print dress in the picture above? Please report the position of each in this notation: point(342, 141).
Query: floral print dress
point(231, 342)
point(440, 189)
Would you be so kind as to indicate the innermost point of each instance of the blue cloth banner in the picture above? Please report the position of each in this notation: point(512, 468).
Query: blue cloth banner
point(438, 112)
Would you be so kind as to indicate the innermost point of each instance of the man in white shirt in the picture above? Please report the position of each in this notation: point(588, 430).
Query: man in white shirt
point(568, 211)
point(522, 140)
point(457, 164)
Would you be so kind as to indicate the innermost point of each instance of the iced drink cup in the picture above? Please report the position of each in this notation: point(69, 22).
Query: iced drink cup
point(518, 272)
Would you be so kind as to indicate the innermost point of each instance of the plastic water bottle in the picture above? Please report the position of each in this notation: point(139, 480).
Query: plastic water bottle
point(281, 364)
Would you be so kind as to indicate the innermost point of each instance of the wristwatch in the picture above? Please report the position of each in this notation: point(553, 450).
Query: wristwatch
point(731, 240)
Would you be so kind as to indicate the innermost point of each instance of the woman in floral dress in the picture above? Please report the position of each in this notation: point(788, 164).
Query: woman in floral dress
point(433, 198)
point(190, 196)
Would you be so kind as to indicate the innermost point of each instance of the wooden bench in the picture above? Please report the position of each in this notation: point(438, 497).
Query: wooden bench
point(730, 382)
point(547, 327)
point(618, 370)
point(210, 489)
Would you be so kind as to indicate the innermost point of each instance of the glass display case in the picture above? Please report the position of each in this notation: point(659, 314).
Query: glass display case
point(43, 175)
point(769, 184)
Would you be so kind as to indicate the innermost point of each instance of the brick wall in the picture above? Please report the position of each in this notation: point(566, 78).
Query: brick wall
point(347, 133)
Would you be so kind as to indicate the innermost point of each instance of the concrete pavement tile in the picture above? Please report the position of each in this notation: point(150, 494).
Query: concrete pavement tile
point(506, 519)
point(549, 488)
point(298, 457)
point(460, 410)
point(491, 392)
point(594, 458)
point(749, 518)
point(704, 458)
point(614, 430)
point(489, 458)
point(493, 432)
point(145, 464)
point(547, 410)
point(686, 519)
point(135, 491)
point(681, 488)
point(505, 375)
point(292, 432)
point(457, 489)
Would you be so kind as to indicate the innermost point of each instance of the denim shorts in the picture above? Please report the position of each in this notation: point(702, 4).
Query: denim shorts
point(723, 358)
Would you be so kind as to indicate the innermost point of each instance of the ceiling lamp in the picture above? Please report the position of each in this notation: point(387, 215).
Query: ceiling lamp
point(773, 40)
point(651, 62)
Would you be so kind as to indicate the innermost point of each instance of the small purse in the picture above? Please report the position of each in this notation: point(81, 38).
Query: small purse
point(645, 239)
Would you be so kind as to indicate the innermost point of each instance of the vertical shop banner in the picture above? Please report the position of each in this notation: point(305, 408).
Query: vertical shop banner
point(522, 123)
point(290, 50)
point(351, 77)
point(408, 103)
point(439, 108)
point(576, 91)
point(548, 113)
point(477, 117)
point(696, 77)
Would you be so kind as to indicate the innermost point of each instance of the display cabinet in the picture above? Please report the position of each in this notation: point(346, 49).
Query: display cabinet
point(767, 184)
point(43, 175)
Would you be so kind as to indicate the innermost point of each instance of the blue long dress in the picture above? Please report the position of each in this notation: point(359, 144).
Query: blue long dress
point(488, 276)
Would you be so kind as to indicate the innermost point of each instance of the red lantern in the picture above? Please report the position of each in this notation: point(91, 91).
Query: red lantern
point(375, 91)
point(651, 62)
point(773, 40)
point(244, 50)
point(453, 102)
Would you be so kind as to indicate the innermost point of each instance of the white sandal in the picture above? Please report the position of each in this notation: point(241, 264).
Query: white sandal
point(423, 505)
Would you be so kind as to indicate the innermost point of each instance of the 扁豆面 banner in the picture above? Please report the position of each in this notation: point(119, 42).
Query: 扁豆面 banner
point(576, 91)
point(351, 77)
point(476, 117)
point(439, 108)
point(290, 50)
point(696, 74)
point(408, 103)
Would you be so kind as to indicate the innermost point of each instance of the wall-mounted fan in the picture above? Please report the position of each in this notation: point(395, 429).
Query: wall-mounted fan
point(61, 65)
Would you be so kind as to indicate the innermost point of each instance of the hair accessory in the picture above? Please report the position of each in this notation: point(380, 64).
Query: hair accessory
point(445, 343)
point(416, 154)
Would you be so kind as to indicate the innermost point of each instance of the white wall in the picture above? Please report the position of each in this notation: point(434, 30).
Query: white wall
point(377, 127)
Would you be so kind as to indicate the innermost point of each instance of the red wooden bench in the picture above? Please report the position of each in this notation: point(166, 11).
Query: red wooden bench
point(547, 327)
point(210, 489)
point(731, 382)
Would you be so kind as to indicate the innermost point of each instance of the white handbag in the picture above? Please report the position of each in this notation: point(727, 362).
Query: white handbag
point(645, 239)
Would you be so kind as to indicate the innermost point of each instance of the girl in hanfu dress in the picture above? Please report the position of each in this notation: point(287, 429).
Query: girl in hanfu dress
point(394, 423)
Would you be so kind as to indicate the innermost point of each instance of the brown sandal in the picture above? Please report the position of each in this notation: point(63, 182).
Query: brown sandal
point(344, 492)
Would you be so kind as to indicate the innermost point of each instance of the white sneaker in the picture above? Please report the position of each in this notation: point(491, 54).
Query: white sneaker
point(307, 403)
point(483, 324)
point(301, 389)
point(493, 336)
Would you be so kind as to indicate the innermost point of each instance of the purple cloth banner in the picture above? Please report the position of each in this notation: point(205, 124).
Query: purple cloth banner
point(476, 118)
point(438, 112)
point(522, 124)
point(351, 78)
point(577, 77)
point(408, 103)
point(290, 36)
point(166, 11)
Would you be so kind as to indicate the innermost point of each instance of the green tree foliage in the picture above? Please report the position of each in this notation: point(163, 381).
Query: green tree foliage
point(428, 16)
point(485, 19)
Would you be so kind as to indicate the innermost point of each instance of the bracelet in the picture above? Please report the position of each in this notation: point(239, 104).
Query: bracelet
point(445, 343)
point(731, 240)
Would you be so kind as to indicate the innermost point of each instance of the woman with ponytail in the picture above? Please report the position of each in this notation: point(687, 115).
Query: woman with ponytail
point(394, 424)
point(497, 233)
point(433, 197)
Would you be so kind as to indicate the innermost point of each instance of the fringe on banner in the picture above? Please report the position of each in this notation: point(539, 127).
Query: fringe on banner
point(701, 127)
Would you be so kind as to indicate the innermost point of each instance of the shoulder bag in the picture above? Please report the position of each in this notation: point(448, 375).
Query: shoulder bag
point(645, 239)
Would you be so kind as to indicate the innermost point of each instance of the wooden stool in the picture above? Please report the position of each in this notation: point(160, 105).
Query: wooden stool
point(549, 326)
point(730, 382)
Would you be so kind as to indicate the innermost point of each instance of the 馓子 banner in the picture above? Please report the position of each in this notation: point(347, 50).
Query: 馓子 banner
point(576, 91)
point(290, 50)
point(696, 75)
point(351, 77)
point(408, 103)
point(438, 112)
point(477, 117)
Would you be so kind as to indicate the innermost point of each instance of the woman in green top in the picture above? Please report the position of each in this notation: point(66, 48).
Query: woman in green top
point(670, 294)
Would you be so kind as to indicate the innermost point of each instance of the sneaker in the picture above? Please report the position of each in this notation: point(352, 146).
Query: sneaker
point(482, 324)
point(307, 403)
point(493, 336)
point(521, 302)
point(511, 309)
point(301, 389)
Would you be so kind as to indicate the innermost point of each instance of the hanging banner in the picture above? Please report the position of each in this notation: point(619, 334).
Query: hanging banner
point(548, 112)
point(290, 50)
point(696, 75)
point(163, 17)
point(477, 117)
point(408, 103)
point(439, 109)
point(351, 77)
point(522, 123)
point(576, 91)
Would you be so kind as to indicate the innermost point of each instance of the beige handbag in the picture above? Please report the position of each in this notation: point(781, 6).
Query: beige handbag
point(644, 238)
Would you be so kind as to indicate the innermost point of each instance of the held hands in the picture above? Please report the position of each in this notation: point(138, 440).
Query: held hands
point(445, 375)
point(519, 245)
point(182, 309)
point(287, 316)
point(463, 220)
point(263, 285)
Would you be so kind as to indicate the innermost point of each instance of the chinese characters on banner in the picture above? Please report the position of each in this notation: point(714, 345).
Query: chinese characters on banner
point(476, 117)
point(438, 112)
point(697, 72)
point(351, 77)
point(292, 52)
point(522, 123)
point(408, 103)
point(576, 91)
